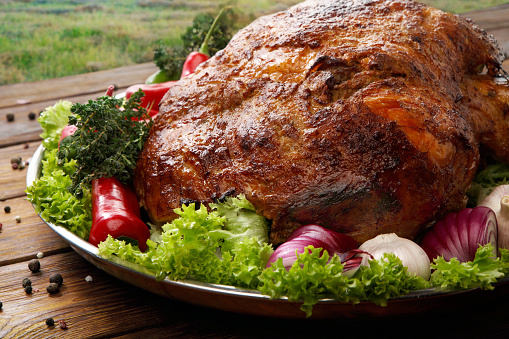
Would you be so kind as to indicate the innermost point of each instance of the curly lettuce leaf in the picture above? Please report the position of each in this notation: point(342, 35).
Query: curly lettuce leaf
point(486, 181)
point(242, 222)
point(504, 260)
point(313, 277)
point(54, 202)
point(387, 278)
point(53, 119)
point(191, 247)
point(482, 272)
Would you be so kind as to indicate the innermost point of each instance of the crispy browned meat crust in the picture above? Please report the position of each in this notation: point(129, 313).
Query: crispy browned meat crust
point(365, 117)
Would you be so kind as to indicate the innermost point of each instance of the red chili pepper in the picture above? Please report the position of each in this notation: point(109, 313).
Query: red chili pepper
point(109, 91)
point(153, 95)
point(194, 59)
point(115, 212)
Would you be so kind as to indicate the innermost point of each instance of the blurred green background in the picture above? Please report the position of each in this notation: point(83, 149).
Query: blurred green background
point(47, 39)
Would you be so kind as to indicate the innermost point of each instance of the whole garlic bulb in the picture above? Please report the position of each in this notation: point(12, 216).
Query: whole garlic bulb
point(411, 254)
point(498, 201)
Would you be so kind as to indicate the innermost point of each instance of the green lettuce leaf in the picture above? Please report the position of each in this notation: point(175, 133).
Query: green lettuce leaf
point(387, 278)
point(242, 222)
point(54, 202)
point(191, 247)
point(49, 193)
point(53, 119)
point(482, 272)
point(310, 278)
point(504, 260)
point(313, 277)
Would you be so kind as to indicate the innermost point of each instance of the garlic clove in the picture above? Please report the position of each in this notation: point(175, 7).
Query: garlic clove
point(411, 254)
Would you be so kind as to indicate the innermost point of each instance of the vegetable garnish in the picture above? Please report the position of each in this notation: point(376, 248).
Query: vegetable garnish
point(498, 201)
point(53, 119)
point(170, 60)
point(481, 272)
point(109, 137)
point(222, 246)
point(116, 212)
point(459, 234)
point(314, 275)
point(228, 243)
point(153, 95)
point(54, 202)
point(411, 255)
point(495, 174)
point(195, 58)
point(318, 237)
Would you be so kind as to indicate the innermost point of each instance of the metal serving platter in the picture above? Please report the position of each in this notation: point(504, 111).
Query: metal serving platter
point(252, 302)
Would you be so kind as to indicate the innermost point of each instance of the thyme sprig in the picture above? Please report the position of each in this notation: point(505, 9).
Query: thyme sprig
point(109, 137)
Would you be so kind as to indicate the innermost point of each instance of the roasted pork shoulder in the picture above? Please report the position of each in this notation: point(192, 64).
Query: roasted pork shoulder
point(365, 117)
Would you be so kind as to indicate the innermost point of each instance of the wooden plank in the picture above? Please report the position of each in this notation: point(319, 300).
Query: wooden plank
point(24, 239)
point(104, 307)
point(22, 129)
point(82, 84)
point(12, 181)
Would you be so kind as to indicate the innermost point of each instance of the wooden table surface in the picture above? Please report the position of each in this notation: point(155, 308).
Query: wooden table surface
point(109, 308)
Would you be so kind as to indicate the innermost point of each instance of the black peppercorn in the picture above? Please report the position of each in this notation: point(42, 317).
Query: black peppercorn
point(10, 117)
point(50, 322)
point(56, 278)
point(26, 282)
point(16, 160)
point(28, 289)
point(1, 305)
point(31, 115)
point(53, 288)
point(34, 265)
point(7, 209)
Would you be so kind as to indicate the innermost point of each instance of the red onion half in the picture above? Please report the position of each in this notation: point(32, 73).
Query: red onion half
point(319, 237)
point(459, 234)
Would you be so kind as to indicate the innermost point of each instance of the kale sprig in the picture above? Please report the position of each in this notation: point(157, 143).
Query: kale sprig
point(109, 137)
point(170, 59)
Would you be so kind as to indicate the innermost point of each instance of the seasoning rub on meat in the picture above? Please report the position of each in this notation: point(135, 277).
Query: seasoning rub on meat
point(364, 116)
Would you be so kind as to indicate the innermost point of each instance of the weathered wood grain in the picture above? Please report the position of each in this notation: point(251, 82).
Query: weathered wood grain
point(103, 307)
point(76, 85)
point(13, 181)
point(23, 129)
point(22, 240)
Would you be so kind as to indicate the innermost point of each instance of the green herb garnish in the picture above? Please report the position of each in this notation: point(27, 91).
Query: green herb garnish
point(109, 137)
point(170, 59)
